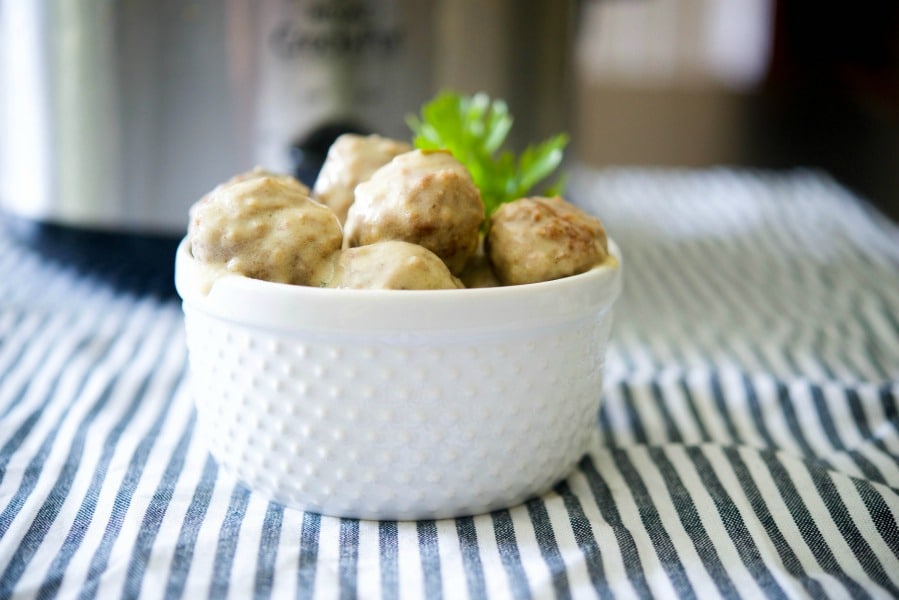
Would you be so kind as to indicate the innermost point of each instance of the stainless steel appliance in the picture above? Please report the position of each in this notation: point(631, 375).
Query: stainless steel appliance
point(117, 114)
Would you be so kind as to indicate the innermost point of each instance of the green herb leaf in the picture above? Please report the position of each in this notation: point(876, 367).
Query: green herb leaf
point(474, 128)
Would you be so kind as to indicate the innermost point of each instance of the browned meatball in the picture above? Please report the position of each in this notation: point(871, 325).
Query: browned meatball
point(391, 265)
point(351, 160)
point(422, 197)
point(538, 239)
point(264, 227)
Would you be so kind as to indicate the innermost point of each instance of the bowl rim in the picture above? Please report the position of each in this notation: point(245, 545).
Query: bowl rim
point(291, 307)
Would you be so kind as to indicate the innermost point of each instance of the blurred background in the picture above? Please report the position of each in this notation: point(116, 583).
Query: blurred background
point(755, 83)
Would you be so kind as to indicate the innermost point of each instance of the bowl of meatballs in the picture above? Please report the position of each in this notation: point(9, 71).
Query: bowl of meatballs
point(379, 347)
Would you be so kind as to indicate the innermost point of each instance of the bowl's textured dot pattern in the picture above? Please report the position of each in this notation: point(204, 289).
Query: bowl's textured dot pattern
point(397, 425)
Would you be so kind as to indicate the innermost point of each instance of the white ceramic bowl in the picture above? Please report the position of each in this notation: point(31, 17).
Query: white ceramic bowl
point(398, 404)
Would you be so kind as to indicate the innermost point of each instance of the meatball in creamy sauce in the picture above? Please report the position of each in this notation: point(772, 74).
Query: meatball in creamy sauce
point(413, 222)
point(391, 265)
point(423, 197)
point(351, 160)
point(264, 227)
point(539, 239)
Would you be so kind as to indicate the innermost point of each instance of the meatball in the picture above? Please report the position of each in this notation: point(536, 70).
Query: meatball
point(351, 160)
point(264, 227)
point(391, 265)
point(538, 239)
point(423, 197)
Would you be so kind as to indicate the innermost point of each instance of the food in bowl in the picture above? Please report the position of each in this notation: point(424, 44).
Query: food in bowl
point(321, 386)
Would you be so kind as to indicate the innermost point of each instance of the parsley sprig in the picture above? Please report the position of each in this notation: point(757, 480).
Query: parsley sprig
point(474, 129)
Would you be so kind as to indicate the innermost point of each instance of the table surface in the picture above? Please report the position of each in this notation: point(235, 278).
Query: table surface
point(748, 438)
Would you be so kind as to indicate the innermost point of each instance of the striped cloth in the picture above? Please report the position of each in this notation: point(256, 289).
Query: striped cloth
point(748, 447)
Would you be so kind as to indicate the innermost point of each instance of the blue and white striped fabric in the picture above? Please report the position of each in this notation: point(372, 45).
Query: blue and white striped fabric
point(749, 439)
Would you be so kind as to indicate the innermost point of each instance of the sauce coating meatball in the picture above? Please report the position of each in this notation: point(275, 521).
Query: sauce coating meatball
point(539, 239)
point(391, 265)
point(264, 227)
point(423, 197)
point(351, 160)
